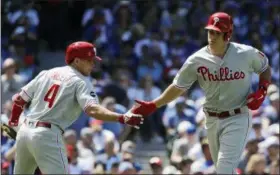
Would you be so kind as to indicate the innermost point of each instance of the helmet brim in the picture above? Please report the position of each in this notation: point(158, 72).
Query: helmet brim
point(212, 27)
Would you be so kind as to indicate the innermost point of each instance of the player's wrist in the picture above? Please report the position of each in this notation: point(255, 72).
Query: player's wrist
point(121, 119)
point(156, 104)
point(263, 84)
point(13, 123)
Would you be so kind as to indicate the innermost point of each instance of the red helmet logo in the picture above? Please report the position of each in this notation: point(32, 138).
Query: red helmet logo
point(216, 19)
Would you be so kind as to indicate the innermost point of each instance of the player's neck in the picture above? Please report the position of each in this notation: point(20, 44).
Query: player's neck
point(218, 51)
point(76, 67)
point(9, 76)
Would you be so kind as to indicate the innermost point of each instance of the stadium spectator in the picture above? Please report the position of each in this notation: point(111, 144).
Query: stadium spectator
point(110, 103)
point(274, 169)
point(156, 165)
point(256, 165)
point(72, 155)
point(185, 165)
point(251, 149)
point(128, 149)
point(70, 137)
point(11, 82)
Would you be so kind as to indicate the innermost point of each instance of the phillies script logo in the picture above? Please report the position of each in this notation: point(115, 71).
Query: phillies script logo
point(224, 75)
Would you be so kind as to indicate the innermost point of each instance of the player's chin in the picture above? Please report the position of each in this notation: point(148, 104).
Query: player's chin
point(88, 73)
point(211, 42)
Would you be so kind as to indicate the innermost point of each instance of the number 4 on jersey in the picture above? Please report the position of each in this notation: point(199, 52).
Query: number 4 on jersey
point(51, 94)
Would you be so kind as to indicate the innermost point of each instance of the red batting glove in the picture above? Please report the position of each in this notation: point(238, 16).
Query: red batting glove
point(255, 100)
point(17, 108)
point(144, 108)
point(13, 123)
point(133, 120)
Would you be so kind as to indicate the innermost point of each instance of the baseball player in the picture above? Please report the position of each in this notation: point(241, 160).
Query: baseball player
point(57, 98)
point(223, 70)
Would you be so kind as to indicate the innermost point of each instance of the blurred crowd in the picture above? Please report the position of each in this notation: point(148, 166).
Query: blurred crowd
point(143, 44)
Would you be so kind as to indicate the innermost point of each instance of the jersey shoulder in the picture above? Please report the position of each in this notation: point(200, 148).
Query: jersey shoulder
point(84, 81)
point(65, 74)
point(242, 47)
point(201, 53)
point(63, 70)
point(69, 75)
point(41, 74)
point(78, 78)
point(247, 51)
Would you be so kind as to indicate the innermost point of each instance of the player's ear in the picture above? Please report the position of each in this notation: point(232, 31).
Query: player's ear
point(226, 36)
point(76, 61)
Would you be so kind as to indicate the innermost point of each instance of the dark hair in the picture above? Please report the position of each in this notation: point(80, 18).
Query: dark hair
point(155, 165)
point(99, 163)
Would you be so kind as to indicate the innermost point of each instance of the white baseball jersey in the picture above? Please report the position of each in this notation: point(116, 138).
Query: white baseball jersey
point(58, 96)
point(226, 81)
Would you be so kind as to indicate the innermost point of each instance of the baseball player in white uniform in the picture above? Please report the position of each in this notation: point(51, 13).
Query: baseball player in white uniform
point(57, 98)
point(223, 70)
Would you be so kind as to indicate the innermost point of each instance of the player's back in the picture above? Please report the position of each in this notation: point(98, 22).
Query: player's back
point(54, 99)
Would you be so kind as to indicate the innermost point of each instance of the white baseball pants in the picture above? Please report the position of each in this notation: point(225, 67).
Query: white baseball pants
point(42, 147)
point(227, 139)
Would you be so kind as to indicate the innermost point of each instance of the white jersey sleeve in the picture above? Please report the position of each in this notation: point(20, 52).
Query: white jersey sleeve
point(259, 62)
point(27, 92)
point(86, 95)
point(186, 75)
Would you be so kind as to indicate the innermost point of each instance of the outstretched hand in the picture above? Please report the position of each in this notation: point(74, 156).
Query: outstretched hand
point(144, 108)
point(133, 120)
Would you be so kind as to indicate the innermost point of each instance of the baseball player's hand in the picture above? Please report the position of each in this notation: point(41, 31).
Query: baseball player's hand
point(255, 100)
point(133, 120)
point(9, 131)
point(13, 123)
point(144, 108)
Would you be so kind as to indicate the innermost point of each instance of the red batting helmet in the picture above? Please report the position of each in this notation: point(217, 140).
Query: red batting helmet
point(221, 22)
point(82, 50)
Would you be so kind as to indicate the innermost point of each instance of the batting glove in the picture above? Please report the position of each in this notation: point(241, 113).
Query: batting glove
point(255, 100)
point(133, 120)
point(144, 108)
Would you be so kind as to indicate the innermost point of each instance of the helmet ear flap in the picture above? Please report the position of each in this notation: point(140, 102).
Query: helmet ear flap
point(228, 35)
point(230, 20)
